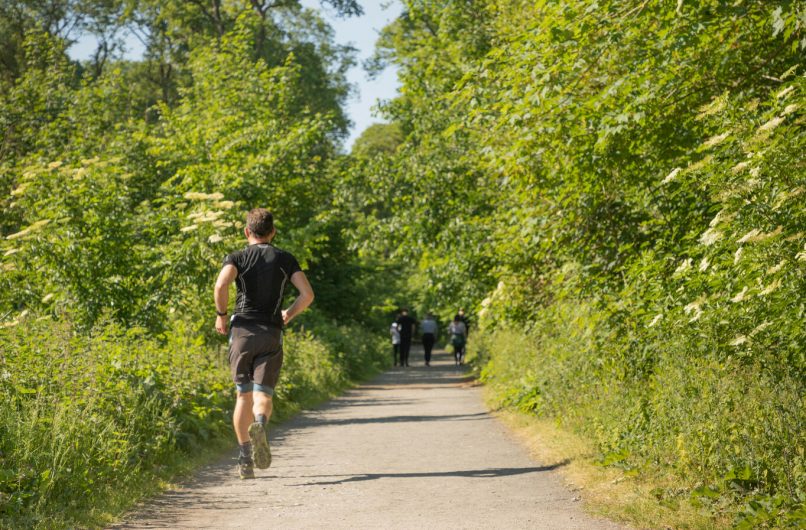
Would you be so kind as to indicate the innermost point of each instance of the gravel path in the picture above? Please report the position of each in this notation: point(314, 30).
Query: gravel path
point(414, 448)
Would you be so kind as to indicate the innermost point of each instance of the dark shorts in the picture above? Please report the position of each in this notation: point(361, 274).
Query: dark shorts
point(255, 356)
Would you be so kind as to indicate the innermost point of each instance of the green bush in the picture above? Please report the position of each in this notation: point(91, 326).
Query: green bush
point(88, 420)
point(732, 433)
point(84, 416)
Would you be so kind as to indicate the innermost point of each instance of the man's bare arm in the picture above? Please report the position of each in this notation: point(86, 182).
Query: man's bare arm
point(221, 295)
point(304, 299)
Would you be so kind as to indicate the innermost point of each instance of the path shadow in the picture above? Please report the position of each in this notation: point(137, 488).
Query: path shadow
point(167, 509)
point(474, 473)
point(313, 421)
point(348, 402)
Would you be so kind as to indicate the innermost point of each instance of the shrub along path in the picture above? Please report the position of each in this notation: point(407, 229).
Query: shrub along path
point(414, 448)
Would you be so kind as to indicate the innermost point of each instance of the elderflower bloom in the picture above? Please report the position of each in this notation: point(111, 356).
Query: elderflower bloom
point(761, 327)
point(749, 235)
point(694, 307)
point(197, 196)
point(772, 124)
point(671, 176)
point(716, 140)
point(721, 217)
point(738, 341)
point(740, 296)
point(710, 236)
point(770, 288)
point(24, 232)
point(777, 268)
point(741, 166)
point(785, 91)
point(756, 235)
point(683, 267)
point(704, 264)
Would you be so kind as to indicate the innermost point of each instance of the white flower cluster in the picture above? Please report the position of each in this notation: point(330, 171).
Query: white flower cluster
point(198, 196)
point(33, 228)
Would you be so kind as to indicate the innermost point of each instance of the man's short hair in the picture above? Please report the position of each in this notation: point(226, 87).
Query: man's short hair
point(260, 222)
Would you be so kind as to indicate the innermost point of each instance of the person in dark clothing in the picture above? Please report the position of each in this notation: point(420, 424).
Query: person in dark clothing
point(465, 320)
point(429, 328)
point(405, 325)
point(458, 332)
point(261, 272)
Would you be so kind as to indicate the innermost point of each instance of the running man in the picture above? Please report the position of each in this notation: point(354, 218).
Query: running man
point(256, 337)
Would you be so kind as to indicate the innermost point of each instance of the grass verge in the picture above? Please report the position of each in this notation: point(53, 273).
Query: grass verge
point(91, 423)
point(606, 491)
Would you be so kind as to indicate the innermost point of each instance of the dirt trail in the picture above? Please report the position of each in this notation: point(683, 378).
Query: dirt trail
point(414, 448)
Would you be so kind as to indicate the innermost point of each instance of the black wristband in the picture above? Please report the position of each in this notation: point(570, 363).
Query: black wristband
point(220, 314)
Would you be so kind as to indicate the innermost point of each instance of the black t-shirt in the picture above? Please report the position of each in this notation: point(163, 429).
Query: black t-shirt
point(263, 273)
point(405, 324)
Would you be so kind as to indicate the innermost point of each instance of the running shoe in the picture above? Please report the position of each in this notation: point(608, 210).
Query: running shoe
point(261, 453)
point(246, 471)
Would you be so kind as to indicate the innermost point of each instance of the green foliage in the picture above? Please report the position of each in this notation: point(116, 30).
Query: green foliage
point(87, 419)
point(378, 138)
point(124, 184)
point(86, 416)
point(135, 219)
point(622, 183)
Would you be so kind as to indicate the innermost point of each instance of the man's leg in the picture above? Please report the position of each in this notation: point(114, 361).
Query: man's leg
point(262, 406)
point(242, 417)
point(425, 349)
point(240, 367)
point(266, 376)
point(258, 435)
point(428, 345)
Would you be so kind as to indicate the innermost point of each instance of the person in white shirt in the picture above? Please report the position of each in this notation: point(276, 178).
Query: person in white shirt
point(395, 332)
point(429, 328)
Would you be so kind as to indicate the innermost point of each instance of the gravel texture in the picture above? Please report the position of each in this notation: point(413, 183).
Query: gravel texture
point(414, 448)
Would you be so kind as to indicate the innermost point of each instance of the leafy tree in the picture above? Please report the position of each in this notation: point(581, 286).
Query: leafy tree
point(378, 138)
point(603, 167)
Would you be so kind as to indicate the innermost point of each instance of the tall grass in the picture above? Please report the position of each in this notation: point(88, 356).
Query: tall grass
point(731, 435)
point(89, 422)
